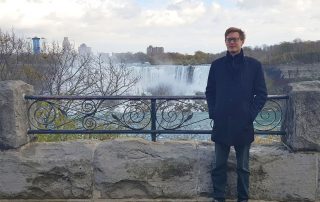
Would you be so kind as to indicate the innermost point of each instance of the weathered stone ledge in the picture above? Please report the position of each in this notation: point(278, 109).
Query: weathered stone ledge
point(123, 200)
point(136, 169)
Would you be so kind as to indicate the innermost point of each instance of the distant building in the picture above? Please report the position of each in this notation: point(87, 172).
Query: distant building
point(120, 57)
point(66, 44)
point(104, 56)
point(154, 50)
point(36, 45)
point(84, 50)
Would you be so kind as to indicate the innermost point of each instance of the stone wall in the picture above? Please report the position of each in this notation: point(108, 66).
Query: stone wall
point(131, 168)
point(302, 72)
point(139, 169)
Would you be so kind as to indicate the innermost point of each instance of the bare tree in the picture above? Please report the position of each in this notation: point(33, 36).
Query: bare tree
point(68, 73)
point(12, 51)
point(64, 71)
point(110, 78)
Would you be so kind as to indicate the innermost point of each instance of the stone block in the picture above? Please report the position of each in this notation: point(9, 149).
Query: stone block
point(280, 175)
point(47, 171)
point(13, 114)
point(141, 169)
point(302, 121)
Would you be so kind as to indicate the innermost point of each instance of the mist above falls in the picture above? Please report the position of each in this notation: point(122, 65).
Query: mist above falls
point(170, 79)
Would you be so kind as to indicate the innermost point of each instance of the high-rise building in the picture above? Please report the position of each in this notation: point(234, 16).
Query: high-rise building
point(154, 50)
point(36, 45)
point(84, 50)
point(66, 44)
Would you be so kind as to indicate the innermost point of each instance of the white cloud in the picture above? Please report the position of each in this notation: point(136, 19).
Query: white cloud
point(254, 4)
point(179, 12)
point(270, 22)
point(178, 25)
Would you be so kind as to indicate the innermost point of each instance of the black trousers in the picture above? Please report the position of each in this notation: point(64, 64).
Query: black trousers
point(219, 174)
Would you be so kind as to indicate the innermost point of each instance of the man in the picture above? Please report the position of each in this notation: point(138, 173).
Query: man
point(236, 92)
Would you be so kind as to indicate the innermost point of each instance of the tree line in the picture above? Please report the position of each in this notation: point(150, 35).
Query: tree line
point(294, 52)
point(169, 58)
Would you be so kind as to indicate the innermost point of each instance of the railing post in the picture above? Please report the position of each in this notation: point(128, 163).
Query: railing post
point(153, 120)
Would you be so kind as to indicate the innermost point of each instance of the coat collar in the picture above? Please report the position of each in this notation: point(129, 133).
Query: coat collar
point(239, 58)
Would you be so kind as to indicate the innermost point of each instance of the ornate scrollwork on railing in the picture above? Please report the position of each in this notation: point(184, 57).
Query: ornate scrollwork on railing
point(89, 106)
point(88, 115)
point(89, 123)
point(173, 114)
point(270, 117)
point(155, 115)
point(43, 115)
point(135, 116)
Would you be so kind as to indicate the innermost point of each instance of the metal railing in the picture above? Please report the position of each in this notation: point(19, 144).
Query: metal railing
point(154, 115)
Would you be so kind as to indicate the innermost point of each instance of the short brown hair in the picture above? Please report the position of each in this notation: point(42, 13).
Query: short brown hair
point(234, 29)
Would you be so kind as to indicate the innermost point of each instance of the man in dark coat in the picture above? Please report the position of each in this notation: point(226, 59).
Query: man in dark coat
point(236, 92)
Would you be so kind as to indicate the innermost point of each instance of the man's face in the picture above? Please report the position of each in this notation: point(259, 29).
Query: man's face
point(233, 43)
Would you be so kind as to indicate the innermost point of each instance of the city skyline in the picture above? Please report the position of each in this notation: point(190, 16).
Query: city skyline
point(183, 26)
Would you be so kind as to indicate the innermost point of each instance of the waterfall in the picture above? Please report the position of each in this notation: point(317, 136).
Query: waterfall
point(182, 80)
point(189, 77)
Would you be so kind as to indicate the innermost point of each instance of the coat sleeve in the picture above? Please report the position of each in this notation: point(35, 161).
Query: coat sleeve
point(211, 91)
point(260, 93)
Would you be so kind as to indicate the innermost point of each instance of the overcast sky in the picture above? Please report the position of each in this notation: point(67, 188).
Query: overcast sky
point(183, 26)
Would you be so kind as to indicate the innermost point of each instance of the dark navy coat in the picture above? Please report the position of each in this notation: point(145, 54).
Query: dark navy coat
point(236, 92)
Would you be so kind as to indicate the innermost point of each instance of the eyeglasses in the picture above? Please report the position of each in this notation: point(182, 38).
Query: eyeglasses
point(235, 40)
